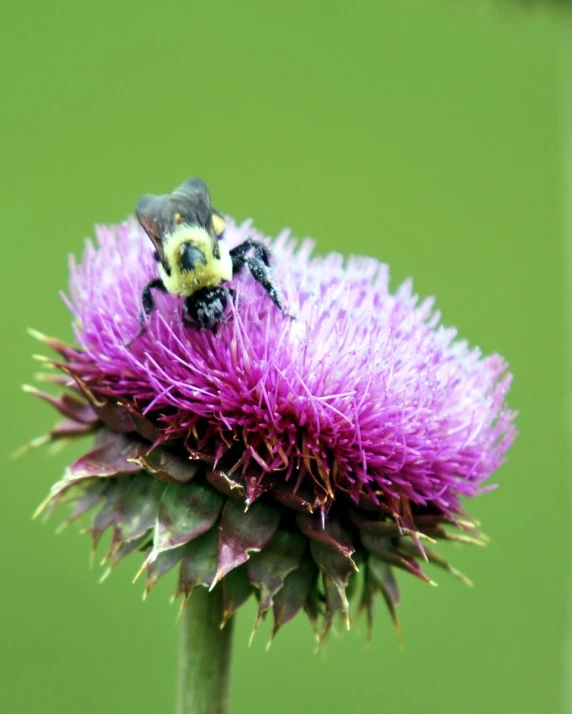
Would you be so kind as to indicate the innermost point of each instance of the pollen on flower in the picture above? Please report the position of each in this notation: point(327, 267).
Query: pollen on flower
point(350, 434)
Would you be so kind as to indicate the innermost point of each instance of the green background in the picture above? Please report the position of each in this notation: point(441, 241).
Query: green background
point(437, 123)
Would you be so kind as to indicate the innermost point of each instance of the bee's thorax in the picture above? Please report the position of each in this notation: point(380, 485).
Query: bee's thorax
point(190, 256)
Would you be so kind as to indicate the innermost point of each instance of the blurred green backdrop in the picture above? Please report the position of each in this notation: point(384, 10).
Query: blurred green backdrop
point(439, 119)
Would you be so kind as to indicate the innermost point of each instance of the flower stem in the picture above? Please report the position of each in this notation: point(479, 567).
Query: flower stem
point(204, 664)
point(566, 28)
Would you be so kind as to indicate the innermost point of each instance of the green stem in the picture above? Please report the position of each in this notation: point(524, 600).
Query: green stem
point(566, 28)
point(204, 664)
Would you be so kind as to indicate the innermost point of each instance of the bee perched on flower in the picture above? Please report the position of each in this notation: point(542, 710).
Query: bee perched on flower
point(305, 462)
point(186, 232)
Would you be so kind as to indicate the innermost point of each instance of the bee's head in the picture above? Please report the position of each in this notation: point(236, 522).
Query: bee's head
point(191, 255)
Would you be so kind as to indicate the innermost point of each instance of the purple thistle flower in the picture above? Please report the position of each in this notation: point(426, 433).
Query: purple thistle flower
point(349, 434)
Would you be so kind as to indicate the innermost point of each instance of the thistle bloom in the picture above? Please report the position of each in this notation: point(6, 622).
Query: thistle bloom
point(296, 459)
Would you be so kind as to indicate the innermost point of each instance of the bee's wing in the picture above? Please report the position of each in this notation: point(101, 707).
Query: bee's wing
point(149, 210)
point(192, 201)
point(197, 194)
point(195, 191)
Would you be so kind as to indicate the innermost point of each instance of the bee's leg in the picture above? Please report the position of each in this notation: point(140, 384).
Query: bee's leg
point(261, 274)
point(189, 309)
point(239, 255)
point(147, 296)
point(256, 255)
point(148, 306)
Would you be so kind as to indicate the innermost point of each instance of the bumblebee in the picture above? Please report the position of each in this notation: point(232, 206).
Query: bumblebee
point(193, 258)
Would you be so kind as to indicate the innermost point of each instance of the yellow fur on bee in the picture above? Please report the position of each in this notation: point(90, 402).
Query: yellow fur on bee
point(219, 224)
point(211, 275)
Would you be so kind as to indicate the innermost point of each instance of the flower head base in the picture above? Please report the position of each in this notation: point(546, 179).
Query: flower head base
point(287, 458)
